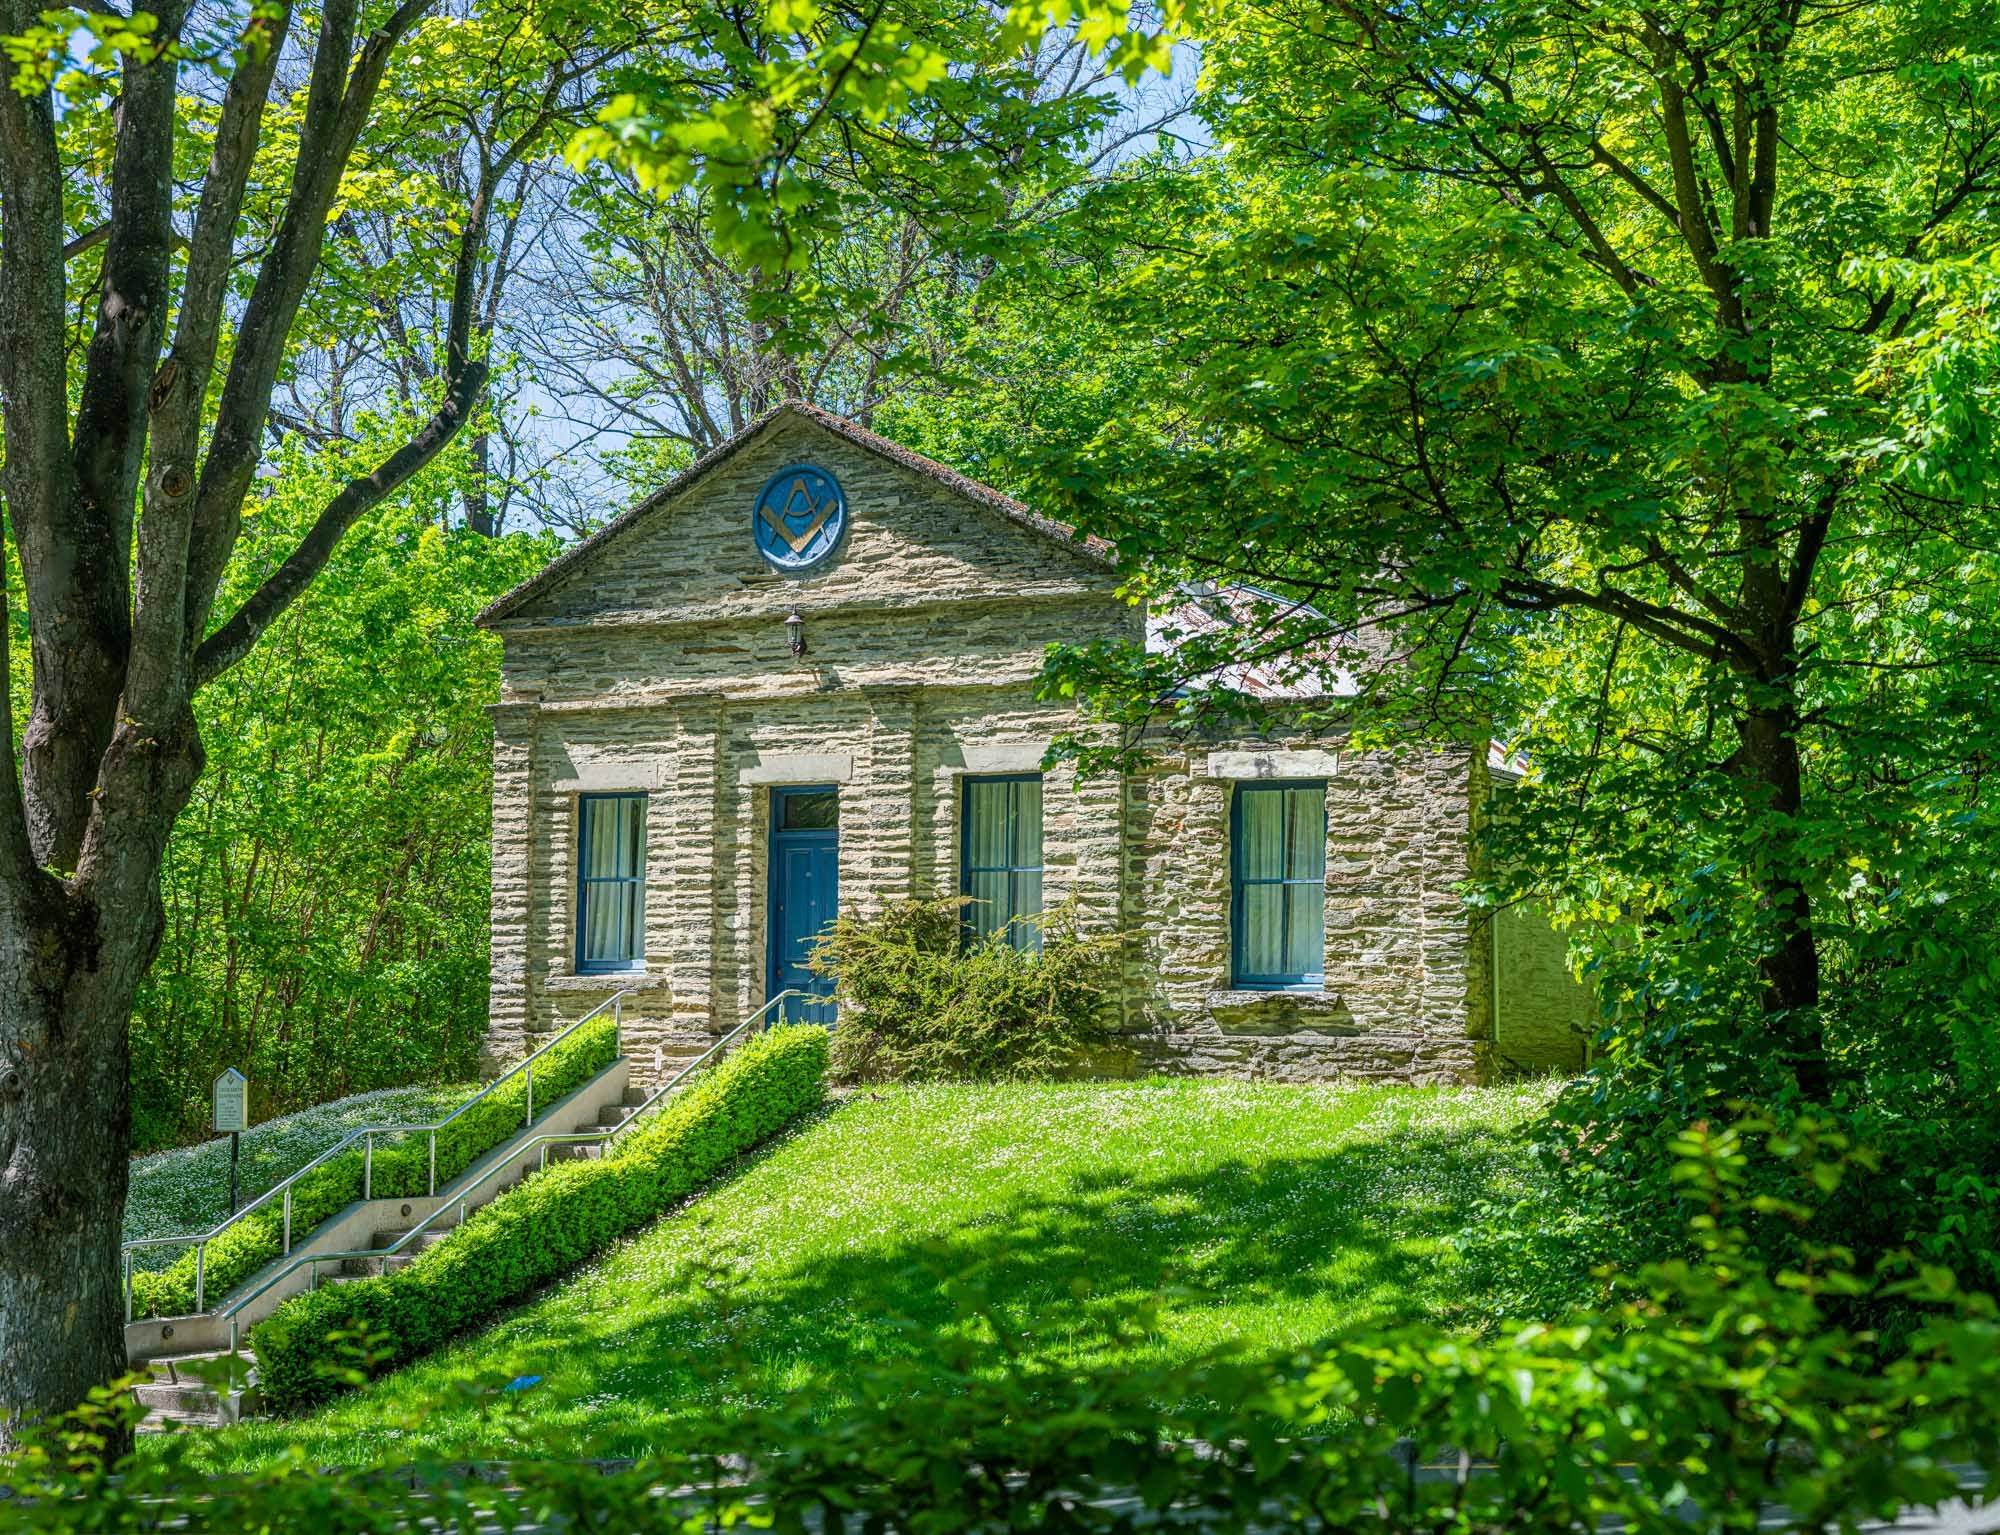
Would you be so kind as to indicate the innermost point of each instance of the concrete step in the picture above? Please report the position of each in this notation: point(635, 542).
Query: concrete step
point(384, 1235)
point(582, 1151)
point(362, 1267)
point(173, 1420)
point(178, 1397)
point(172, 1368)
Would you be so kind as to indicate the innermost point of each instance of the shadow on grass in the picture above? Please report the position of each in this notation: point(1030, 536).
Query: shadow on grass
point(1277, 1253)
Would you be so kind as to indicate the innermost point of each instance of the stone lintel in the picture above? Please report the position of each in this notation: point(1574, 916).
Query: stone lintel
point(800, 767)
point(1273, 764)
point(610, 777)
point(1001, 758)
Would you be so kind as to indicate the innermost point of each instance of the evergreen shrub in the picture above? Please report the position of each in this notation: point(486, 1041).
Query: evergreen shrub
point(550, 1224)
point(922, 1001)
point(402, 1170)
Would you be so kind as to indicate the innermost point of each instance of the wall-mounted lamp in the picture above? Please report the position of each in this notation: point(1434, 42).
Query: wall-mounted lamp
point(795, 631)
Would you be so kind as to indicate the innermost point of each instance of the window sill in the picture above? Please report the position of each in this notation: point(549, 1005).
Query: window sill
point(606, 981)
point(1279, 1011)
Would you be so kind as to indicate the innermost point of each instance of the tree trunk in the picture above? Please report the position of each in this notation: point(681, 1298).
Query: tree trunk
point(479, 492)
point(1769, 767)
point(72, 956)
point(67, 1138)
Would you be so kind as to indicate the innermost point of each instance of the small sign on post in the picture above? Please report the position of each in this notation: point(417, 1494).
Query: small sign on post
point(232, 1114)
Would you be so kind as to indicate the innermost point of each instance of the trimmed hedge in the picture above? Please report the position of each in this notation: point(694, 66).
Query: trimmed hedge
point(550, 1224)
point(402, 1171)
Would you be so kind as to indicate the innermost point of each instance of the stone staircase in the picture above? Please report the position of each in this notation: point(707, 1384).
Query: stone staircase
point(197, 1391)
point(352, 1269)
point(207, 1386)
point(205, 1389)
point(614, 1115)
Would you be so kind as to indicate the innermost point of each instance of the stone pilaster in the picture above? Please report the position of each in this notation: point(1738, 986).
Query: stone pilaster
point(513, 891)
point(881, 818)
point(693, 804)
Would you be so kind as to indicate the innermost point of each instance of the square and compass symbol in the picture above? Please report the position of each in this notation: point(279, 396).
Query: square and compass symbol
point(801, 516)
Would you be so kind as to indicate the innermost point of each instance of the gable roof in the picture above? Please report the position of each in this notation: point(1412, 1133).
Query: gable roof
point(566, 563)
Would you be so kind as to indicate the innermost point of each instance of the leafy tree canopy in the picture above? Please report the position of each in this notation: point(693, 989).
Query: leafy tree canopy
point(1619, 374)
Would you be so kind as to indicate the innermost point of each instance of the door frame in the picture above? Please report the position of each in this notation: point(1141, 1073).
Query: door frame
point(773, 833)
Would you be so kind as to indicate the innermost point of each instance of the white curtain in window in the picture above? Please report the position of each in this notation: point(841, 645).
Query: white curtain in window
point(1305, 903)
point(986, 807)
point(1027, 859)
point(1003, 855)
point(1261, 826)
point(1281, 870)
point(613, 842)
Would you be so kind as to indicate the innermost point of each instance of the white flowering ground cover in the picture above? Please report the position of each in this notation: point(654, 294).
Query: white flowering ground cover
point(1110, 1221)
point(187, 1189)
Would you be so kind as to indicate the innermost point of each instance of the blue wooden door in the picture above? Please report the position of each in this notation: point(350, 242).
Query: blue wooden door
point(805, 891)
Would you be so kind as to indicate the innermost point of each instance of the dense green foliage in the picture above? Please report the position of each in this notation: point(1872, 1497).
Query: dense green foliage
point(1625, 374)
point(402, 1167)
point(920, 999)
point(326, 890)
point(187, 1189)
point(561, 1216)
point(1710, 1396)
point(1123, 1224)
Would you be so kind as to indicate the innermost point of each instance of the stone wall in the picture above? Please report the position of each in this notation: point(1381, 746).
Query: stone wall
point(1545, 1013)
point(1405, 990)
point(661, 665)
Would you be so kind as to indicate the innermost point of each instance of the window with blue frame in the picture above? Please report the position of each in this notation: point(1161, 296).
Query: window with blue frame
point(1278, 869)
point(1000, 864)
point(610, 881)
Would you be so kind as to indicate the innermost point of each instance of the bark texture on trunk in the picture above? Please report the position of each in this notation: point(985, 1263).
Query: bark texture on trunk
point(64, 1132)
point(1769, 767)
point(72, 956)
point(120, 574)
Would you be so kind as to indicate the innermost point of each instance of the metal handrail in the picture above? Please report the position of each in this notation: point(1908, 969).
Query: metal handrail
point(366, 1135)
point(458, 1202)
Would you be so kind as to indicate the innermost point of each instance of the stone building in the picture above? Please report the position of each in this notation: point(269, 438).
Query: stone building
point(802, 676)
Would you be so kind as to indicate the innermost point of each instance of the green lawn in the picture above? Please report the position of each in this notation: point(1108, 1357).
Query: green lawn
point(1154, 1219)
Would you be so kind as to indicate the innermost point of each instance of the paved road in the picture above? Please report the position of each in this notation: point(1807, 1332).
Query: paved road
point(1952, 1519)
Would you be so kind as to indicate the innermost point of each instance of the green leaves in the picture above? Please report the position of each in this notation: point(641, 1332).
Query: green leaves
point(77, 51)
point(1672, 472)
point(922, 1002)
point(787, 118)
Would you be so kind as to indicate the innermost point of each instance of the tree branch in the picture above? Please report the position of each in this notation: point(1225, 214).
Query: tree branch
point(156, 680)
point(233, 639)
point(337, 106)
point(1686, 631)
point(465, 381)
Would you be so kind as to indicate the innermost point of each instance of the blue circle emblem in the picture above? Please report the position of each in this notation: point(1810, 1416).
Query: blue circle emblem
point(800, 517)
